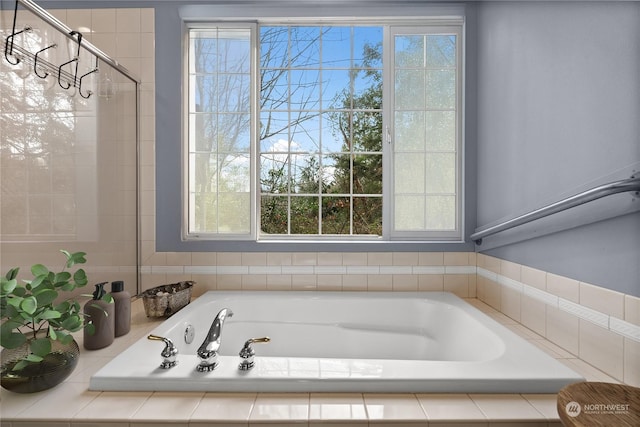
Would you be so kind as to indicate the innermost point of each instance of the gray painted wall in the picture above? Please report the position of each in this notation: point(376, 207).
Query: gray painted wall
point(559, 107)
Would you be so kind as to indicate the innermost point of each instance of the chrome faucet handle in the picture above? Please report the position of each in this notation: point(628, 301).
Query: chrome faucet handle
point(247, 353)
point(169, 354)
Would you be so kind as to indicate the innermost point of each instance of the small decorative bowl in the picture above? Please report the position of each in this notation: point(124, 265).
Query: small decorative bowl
point(166, 300)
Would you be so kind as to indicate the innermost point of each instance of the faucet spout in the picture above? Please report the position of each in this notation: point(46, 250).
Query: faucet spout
point(208, 351)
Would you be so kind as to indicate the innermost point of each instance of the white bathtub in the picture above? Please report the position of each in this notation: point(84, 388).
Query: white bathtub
point(341, 342)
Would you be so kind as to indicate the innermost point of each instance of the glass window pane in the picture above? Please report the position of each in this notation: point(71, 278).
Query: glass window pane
point(204, 89)
point(233, 50)
point(441, 50)
point(409, 51)
point(367, 215)
point(367, 47)
point(274, 47)
point(410, 130)
point(336, 215)
point(336, 131)
point(441, 212)
point(441, 130)
point(409, 213)
point(274, 214)
point(234, 213)
point(304, 215)
point(274, 93)
point(305, 90)
point(409, 173)
point(367, 131)
point(274, 131)
point(305, 170)
point(441, 89)
point(336, 47)
point(274, 173)
point(233, 132)
point(336, 89)
point(305, 133)
point(304, 47)
point(367, 174)
point(410, 89)
point(441, 173)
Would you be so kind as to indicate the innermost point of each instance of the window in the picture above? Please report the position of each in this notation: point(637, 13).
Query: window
point(328, 131)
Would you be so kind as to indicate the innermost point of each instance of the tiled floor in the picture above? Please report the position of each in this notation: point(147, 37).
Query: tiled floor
point(72, 405)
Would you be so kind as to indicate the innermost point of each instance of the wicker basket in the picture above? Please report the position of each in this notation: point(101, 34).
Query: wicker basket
point(165, 300)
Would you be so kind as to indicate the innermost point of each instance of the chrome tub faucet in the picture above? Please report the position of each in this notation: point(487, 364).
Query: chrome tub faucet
point(208, 351)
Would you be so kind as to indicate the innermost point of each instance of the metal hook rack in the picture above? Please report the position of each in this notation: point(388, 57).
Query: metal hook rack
point(42, 68)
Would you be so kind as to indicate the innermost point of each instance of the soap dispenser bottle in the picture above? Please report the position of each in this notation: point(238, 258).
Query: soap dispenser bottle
point(102, 315)
point(122, 302)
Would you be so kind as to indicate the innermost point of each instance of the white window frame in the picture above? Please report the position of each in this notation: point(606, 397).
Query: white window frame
point(452, 25)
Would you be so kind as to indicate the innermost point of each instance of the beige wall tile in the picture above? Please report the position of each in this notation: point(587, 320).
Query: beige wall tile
point(563, 287)
point(329, 258)
point(431, 258)
point(103, 20)
point(532, 277)
point(533, 314)
point(354, 282)
point(229, 258)
point(493, 294)
point(405, 282)
point(254, 258)
point(329, 282)
point(510, 302)
point(379, 282)
point(563, 329)
point(279, 282)
point(354, 258)
point(431, 282)
point(405, 258)
point(601, 348)
point(602, 299)
point(632, 309)
point(304, 258)
point(457, 284)
point(379, 258)
point(632, 362)
point(456, 258)
point(279, 258)
point(510, 270)
point(203, 258)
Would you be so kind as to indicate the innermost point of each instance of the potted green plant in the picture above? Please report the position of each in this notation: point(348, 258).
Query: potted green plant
point(37, 321)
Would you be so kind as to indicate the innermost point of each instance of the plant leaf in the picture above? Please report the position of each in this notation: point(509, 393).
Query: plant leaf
point(64, 338)
point(39, 270)
point(72, 323)
point(45, 297)
point(13, 273)
point(61, 277)
point(80, 278)
point(75, 258)
point(8, 285)
point(15, 301)
point(35, 283)
point(29, 305)
point(40, 347)
point(13, 340)
point(52, 333)
point(50, 314)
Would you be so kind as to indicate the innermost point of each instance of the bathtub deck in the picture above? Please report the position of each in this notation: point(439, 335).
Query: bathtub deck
point(84, 408)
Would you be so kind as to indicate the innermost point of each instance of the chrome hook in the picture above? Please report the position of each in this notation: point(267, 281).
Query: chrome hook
point(35, 62)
